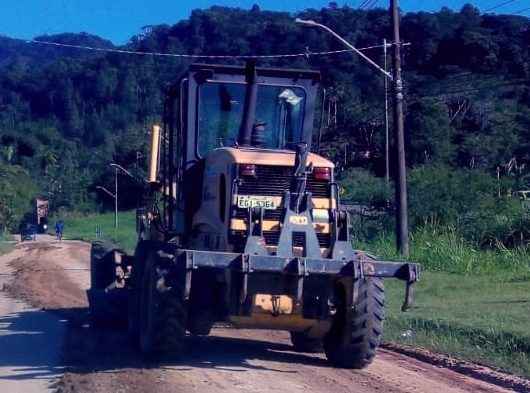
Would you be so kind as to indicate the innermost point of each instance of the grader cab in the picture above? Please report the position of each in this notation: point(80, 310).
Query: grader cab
point(243, 224)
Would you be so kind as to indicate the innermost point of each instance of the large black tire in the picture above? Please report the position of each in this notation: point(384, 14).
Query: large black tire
point(102, 266)
point(162, 324)
point(102, 275)
point(353, 341)
point(143, 249)
point(302, 343)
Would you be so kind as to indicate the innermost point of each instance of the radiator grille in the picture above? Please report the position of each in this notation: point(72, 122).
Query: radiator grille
point(275, 180)
point(272, 238)
point(268, 214)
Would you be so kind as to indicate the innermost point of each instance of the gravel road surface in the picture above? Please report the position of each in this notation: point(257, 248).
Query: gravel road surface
point(57, 349)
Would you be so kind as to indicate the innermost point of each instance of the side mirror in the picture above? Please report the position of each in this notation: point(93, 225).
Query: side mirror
point(154, 155)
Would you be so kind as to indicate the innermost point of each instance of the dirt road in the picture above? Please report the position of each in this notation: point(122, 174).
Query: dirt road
point(53, 276)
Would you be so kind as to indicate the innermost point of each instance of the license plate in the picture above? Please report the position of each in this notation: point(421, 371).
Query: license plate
point(250, 201)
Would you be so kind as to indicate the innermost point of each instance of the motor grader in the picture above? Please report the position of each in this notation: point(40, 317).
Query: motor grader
point(243, 224)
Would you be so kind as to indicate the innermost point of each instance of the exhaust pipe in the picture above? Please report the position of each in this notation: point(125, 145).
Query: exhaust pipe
point(249, 110)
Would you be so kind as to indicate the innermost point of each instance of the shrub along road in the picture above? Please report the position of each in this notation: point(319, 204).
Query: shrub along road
point(53, 275)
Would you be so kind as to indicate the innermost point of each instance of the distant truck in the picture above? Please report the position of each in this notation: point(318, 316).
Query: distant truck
point(42, 210)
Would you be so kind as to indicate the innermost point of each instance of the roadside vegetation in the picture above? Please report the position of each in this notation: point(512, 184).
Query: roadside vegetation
point(481, 318)
point(471, 236)
point(85, 226)
point(5, 247)
point(471, 303)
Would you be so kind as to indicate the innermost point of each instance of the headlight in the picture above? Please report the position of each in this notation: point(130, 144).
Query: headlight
point(247, 170)
point(45, 227)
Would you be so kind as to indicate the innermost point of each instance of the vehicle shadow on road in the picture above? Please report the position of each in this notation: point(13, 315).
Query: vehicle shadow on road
point(90, 349)
point(30, 345)
point(233, 354)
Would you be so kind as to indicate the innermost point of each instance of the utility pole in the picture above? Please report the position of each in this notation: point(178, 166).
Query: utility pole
point(402, 229)
point(116, 197)
point(387, 141)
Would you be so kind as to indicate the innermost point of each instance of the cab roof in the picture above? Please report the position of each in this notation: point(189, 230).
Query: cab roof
point(287, 73)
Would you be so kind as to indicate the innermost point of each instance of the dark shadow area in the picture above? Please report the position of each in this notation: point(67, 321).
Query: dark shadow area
point(31, 345)
point(90, 349)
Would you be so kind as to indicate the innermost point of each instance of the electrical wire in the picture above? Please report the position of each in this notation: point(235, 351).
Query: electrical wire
point(368, 4)
point(363, 4)
point(500, 5)
point(521, 11)
point(306, 54)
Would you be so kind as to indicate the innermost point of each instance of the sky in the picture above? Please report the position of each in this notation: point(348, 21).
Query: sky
point(118, 20)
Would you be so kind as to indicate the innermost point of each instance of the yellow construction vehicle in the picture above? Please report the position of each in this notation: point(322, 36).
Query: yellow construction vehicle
point(243, 224)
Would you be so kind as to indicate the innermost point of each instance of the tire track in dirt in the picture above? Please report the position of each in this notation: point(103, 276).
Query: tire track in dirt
point(52, 275)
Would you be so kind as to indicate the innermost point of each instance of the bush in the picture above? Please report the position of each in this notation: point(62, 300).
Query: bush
point(472, 202)
point(17, 191)
point(469, 201)
point(371, 195)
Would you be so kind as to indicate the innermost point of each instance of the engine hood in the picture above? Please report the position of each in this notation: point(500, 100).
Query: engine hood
point(248, 155)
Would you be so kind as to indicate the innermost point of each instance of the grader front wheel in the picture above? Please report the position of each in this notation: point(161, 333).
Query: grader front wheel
point(353, 340)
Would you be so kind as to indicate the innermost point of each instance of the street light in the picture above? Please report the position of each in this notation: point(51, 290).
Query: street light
point(117, 167)
point(312, 23)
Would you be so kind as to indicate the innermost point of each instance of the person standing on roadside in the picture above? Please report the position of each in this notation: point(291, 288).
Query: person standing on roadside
point(59, 228)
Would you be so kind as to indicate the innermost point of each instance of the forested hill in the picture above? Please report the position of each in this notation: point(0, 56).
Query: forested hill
point(66, 113)
point(40, 55)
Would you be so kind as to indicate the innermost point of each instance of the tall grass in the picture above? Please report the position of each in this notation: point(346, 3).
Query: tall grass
point(445, 250)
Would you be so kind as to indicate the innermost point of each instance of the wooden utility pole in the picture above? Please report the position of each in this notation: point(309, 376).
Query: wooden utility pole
point(115, 197)
point(402, 227)
point(387, 141)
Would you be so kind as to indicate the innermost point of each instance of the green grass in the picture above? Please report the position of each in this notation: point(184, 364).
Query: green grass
point(470, 303)
point(83, 227)
point(484, 319)
point(4, 246)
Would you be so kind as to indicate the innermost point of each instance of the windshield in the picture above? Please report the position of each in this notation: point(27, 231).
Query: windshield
point(281, 108)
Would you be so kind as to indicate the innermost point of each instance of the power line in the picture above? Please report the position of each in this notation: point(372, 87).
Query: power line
point(363, 4)
point(368, 4)
point(500, 5)
point(307, 53)
point(522, 11)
